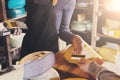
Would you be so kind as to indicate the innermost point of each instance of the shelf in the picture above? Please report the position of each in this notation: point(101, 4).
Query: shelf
point(82, 32)
point(23, 16)
point(83, 8)
point(102, 35)
point(5, 33)
point(13, 49)
point(104, 39)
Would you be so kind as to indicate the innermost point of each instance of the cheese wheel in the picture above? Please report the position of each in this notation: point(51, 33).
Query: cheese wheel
point(37, 63)
point(75, 79)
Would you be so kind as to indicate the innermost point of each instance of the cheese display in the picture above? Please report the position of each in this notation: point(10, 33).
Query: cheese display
point(110, 52)
point(115, 33)
point(114, 24)
point(85, 25)
point(81, 17)
point(111, 28)
point(87, 51)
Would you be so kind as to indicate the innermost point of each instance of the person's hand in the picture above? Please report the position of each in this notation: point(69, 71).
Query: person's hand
point(84, 65)
point(77, 44)
point(17, 31)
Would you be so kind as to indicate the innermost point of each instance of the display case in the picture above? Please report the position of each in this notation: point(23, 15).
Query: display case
point(103, 26)
point(81, 22)
point(108, 23)
point(104, 32)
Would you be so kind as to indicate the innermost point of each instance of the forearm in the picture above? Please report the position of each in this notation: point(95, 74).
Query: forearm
point(67, 36)
point(102, 73)
point(67, 12)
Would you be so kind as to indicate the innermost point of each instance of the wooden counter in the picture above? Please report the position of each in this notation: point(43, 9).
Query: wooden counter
point(62, 65)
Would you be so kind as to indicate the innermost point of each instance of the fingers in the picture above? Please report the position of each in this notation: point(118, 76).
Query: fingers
point(98, 61)
point(84, 65)
point(77, 44)
point(17, 31)
point(77, 50)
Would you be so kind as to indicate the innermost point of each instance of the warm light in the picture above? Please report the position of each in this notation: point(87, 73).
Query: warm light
point(113, 5)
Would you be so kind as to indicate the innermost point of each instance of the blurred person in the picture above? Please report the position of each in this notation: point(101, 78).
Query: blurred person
point(47, 20)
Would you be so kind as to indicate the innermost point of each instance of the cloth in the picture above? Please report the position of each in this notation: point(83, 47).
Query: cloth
point(45, 24)
point(102, 73)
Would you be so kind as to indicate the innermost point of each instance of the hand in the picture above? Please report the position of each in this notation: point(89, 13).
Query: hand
point(84, 65)
point(77, 44)
point(17, 31)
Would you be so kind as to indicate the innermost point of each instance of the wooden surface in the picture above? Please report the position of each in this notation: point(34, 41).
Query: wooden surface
point(62, 65)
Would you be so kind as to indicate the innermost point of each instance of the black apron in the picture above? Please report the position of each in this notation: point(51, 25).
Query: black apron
point(42, 34)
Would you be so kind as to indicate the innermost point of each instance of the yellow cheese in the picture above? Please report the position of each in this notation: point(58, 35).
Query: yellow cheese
point(87, 50)
point(115, 33)
point(75, 79)
point(9, 24)
point(113, 24)
point(110, 52)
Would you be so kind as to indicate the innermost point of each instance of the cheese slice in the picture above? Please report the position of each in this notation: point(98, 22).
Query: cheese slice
point(110, 53)
point(89, 52)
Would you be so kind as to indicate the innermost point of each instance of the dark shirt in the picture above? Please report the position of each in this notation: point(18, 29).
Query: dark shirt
point(45, 24)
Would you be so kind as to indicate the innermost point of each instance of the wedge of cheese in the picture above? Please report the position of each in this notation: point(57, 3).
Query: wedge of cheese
point(110, 53)
point(87, 50)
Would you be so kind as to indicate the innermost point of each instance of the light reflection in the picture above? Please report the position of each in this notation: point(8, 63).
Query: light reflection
point(113, 5)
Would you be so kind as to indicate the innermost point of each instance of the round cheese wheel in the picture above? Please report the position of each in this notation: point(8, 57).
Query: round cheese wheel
point(37, 63)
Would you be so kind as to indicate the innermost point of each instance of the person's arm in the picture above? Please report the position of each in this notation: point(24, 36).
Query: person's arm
point(102, 73)
point(67, 12)
point(97, 71)
point(65, 33)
